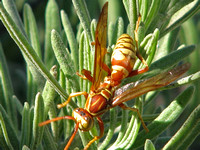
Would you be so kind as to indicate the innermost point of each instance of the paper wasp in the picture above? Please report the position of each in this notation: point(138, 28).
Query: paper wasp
point(101, 97)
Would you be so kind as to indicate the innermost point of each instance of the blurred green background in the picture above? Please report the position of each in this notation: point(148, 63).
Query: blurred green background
point(189, 34)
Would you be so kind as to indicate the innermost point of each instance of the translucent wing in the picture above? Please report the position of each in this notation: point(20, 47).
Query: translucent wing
point(100, 47)
point(151, 84)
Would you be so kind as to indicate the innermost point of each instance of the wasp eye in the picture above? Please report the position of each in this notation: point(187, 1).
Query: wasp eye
point(82, 113)
point(84, 118)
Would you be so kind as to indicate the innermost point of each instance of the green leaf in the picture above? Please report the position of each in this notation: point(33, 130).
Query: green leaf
point(88, 57)
point(71, 38)
point(29, 53)
point(5, 141)
point(6, 85)
point(52, 21)
point(81, 58)
point(83, 14)
point(31, 29)
point(133, 14)
point(18, 104)
point(124, 123)
point(93, 28)
point(152, 12)
point(181, 16)
point(88, 61)
point(144, 8)
point(172, 58)
point(128, 135)
point(133, 127)
point(111, 27)
point(148, 48)
point(10, 6)
point(49, 140)
point(115, 31)
point(35, 79)
point(38, 117)
point(166, 118)
point(167, 44)
point(49, 95)
point(113, 119)
point(187, 133)
point(25, 133)
point(149, 145)
point(64, 58)
point(25, 147)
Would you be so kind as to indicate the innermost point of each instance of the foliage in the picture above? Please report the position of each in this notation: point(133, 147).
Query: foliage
point(159, 42)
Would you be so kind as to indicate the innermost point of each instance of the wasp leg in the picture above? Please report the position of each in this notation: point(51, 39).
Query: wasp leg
point(70, 96)
point(138, 71)
point(81, 76)
point(101, 126)
point(138, 113)
point(87, 75)
point(106, 68)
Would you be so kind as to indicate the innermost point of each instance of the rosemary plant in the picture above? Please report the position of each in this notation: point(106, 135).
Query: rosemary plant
point(51, 74)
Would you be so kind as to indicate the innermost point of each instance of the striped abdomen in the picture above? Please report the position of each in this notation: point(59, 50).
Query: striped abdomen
point(123, 58)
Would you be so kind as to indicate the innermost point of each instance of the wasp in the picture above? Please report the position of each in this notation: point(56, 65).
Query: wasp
point(101, 96)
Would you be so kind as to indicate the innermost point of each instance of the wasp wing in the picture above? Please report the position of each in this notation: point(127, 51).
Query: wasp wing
point(100, 47)
point(151, 84)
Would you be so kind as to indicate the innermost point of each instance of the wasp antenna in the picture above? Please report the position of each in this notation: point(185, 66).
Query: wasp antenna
point(72, 137)
point(56, 119)
point(139, 15)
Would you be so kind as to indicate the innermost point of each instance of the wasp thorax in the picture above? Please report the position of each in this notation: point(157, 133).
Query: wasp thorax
point(85, 120)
